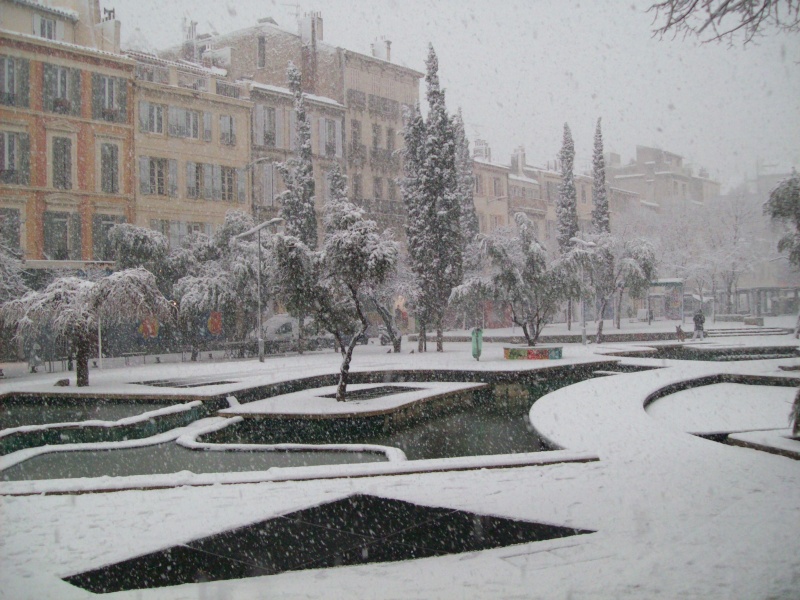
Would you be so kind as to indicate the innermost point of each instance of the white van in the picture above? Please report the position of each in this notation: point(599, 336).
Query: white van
point(281, 333)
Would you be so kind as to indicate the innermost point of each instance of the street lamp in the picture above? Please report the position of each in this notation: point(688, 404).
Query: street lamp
point(257, 230)
point(586, 245)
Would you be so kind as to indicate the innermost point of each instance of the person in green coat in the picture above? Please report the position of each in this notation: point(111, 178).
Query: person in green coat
point(477, 343)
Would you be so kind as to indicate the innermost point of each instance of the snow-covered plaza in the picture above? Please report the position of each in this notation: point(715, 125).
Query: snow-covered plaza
point(671, 514)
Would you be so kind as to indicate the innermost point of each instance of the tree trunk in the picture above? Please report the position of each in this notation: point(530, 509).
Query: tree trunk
point(421, 338)
point(526, 333)
point(439, 339)
point(599, 338)
point(618, 312)
point(82, 362)
point(569, 315)
point(344, 371)
point(300, 339)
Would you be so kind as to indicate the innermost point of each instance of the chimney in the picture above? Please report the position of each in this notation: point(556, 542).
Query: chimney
point(518, 160)
point(482, 150)
point(382, 49)
point(310, 26)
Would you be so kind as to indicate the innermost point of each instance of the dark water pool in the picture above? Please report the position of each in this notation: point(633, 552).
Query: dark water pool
point(169, 458)
point(16, 412)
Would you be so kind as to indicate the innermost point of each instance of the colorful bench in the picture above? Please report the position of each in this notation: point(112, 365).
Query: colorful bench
point(544, 352)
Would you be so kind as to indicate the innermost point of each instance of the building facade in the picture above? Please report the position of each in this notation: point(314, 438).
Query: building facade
point(66, 133)
point(192, 147)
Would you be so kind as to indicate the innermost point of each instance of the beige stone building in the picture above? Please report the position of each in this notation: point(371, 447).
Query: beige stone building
point(661, 179)
point(491, 195)
point(355, 102)
point(192, 141)
point(66, 131)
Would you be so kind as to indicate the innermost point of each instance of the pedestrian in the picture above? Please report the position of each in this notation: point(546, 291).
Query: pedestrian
point(699, 321)
point(33, 358)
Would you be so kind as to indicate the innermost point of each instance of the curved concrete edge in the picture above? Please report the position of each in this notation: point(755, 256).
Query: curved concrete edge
point(280, 475)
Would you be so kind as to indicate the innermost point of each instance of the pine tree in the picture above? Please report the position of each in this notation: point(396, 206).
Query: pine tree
point(298, 203)
point(435, 243)
point(600, 215)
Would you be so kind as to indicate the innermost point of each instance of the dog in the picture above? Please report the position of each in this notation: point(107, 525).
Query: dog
point(679, 332)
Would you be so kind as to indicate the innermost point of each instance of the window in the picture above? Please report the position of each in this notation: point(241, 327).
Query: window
point(109, 168)
point(62, 163)
point(357, 188)
point(391, 189)
point(195, 180)
point(583, 195)
point(228, 175)
point(390, 139)
point(151, 117)
point(61, 91)
point(376, 135)
point(377, 188)
point(14, 158)
point(109, 98)
point(158, 176)
point(262, 52)
point(330, 137)
point(227, 130)
point(184, 123)
point(101, 247)
point(62, 235)
point(264, 182)
point(479, 185)
point(44, 27)
point(10, 228)
point(356, 132)
point(14, 86)
point(498, 187)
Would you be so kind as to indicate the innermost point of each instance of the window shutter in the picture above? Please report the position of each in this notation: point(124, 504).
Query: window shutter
point(37, 25)
point(206, 127)
point(144, 116)
point(24, 159)
point(258, 125)
point(216, 176)
point(48, 86)
point(22, 72)
point(191, 187)
point(75, 92)
point(208, 182)
point(48, 229)
point(323, 135)
point(60, 31)
point(144, 175)
point(97, 96)
point(293, 130)
point(338, 139)
point(173, 177)
point(122, 100)
point(97, 237)
point(269, 185)
point(75, 236)
point(172, 120)
point(241, 184)
point(279, 141)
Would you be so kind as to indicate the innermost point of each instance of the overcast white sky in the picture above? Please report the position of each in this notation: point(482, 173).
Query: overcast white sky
point(519, 69)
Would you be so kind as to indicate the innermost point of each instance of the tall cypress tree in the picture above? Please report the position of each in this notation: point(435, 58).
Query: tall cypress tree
point(567, 204)
point(466, 182)
point(432, 196)
point(298, 203)
point(600, 214)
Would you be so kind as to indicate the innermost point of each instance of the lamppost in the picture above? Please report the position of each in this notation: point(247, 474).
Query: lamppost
point(585, 245)
point(257, 230)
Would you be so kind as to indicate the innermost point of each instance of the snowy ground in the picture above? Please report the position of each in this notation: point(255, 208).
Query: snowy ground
point(675, 516)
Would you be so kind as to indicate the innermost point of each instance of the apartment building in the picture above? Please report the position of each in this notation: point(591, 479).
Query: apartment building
point(355, 102)
point(192, 147)
point(661, 179)
point(66, 132)
point(491, 195)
